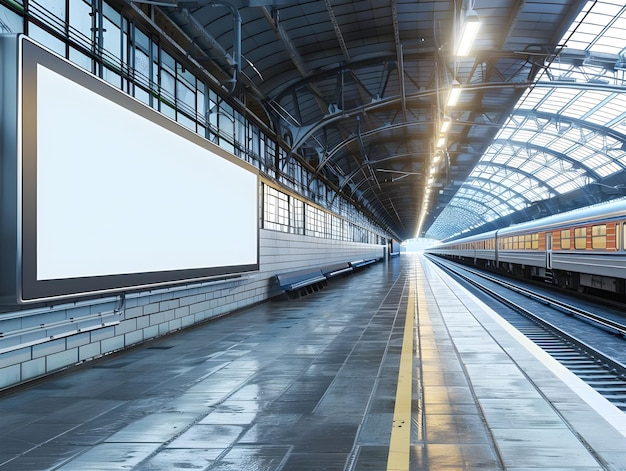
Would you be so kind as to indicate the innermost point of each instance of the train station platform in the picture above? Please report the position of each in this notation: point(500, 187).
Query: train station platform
point(394, 368)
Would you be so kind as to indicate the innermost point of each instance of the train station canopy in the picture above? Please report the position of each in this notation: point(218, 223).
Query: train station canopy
point(430, 133)
point(566, 136)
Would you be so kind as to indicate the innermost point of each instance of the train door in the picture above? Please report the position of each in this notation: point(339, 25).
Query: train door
point(549, 250)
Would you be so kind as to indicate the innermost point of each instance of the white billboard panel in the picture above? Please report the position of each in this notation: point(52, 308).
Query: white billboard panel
point(114, 196)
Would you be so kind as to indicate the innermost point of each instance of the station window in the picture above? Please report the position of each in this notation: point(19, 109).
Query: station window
point(276, 210)
point(315, 222)
point(598, 236)
point(565, 240)
point(580, 238)
point(336, 227)
point(296, 215)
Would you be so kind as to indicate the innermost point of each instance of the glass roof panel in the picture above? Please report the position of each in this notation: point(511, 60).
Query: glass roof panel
point(606, 170)
point(557, 100)
point(532, 97)
point(567, 186)
point(523, 135)
point(613, 110)
point(505, 133)
point(581, 153)
point(560, 145)
point(572, 135)
point(546, 173)
point(595, 16)
point(534, 165)
point(544, 138)
point(585, 101)
point(517, 161)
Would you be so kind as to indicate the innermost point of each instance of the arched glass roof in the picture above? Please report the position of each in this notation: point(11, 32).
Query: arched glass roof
point(566, 132)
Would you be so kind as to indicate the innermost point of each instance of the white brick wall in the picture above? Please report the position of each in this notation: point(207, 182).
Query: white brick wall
point(152, 314)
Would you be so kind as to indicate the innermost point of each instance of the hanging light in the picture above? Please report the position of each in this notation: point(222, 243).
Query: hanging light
point(454, 93)
point(471, 25)
point(445, 125)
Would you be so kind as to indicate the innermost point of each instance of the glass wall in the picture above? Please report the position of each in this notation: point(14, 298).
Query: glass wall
point(287, 213)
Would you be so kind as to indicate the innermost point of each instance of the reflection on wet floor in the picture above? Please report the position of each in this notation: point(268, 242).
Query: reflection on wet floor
point(302, 384)
point(310, 384)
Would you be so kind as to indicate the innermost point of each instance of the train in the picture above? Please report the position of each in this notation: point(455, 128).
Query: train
point(583, 249)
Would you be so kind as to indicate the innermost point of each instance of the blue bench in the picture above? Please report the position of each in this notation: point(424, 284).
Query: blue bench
point(301, 281)
point(336, 269)
point(362, 263)
point(308, 280)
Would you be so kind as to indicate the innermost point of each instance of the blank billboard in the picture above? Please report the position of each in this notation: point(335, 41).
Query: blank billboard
point(116, 196)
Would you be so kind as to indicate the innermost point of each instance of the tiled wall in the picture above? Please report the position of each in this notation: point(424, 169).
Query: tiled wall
point(40, 341)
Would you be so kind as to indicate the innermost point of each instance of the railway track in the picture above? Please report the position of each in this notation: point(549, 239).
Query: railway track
point(599, 370)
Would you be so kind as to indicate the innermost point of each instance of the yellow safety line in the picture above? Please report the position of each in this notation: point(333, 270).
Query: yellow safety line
point(400, 443)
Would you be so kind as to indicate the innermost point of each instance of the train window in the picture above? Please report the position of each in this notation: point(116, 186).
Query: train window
point(515, 244)
point(527, 242)
point(580, 238)
point(535, 241)
point(618, 239)
point(598, 236)
point(565, 240)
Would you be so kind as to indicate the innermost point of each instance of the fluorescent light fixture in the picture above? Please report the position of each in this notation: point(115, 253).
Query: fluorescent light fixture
point(437, 157)
point(454, 93)
point(441, 142)
point(445, 125)
point(471, 25)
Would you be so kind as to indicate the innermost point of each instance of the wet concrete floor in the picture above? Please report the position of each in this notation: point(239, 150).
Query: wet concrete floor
point(304, 384)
